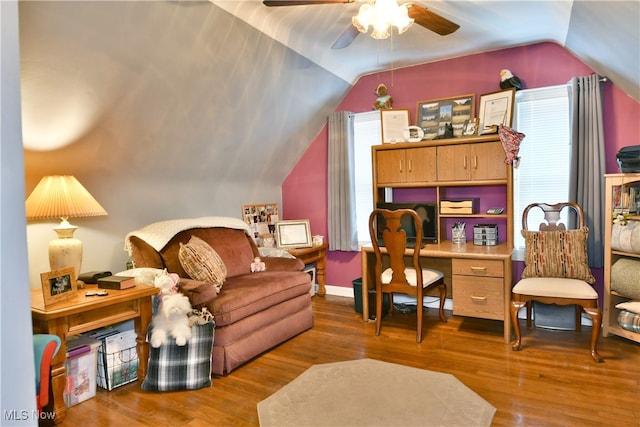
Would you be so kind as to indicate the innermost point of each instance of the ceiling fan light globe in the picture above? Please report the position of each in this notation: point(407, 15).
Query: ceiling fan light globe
point(364, 18)
point(380, 33)
point(401, 19)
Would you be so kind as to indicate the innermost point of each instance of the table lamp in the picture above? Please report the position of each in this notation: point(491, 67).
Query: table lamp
point(62, 196)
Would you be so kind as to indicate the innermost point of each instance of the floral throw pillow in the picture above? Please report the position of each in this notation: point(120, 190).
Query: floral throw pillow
point(201, 262)
point(557, 254)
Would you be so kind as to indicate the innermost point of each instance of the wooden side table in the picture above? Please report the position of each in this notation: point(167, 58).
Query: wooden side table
point(83, 314)
point(317, 254)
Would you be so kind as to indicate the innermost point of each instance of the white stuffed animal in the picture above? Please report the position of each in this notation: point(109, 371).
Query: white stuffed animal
point(172, 320)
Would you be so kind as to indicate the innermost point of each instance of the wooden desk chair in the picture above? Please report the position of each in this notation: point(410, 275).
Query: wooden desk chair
point(556, 270)
point(400, 278)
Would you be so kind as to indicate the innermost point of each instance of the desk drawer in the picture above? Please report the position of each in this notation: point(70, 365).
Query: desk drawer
point(481, 297)
point(477, 267)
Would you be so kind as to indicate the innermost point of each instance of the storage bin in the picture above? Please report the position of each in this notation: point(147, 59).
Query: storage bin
point(357, 299)
point(117, 360)
point(81, 367)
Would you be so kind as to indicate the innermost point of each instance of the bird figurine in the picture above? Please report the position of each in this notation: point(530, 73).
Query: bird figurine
point(508, 80)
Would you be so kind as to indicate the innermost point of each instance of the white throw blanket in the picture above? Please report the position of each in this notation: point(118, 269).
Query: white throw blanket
point(158, 234)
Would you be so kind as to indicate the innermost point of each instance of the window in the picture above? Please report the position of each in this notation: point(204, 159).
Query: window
point(542, 114)
point(367, 132)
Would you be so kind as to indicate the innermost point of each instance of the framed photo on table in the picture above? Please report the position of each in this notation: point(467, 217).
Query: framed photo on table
point(394, 122)
point(433, 115)
point(58, 285)
point(293, 234)
point(496, 108)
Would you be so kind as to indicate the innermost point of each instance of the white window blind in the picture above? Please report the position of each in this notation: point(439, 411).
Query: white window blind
point(542, 114)
point(367, 132)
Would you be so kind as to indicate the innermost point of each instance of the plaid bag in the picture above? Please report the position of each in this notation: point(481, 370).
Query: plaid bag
point(172, 367)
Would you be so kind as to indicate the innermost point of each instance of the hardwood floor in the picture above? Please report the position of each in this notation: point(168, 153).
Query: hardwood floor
point(552, 381)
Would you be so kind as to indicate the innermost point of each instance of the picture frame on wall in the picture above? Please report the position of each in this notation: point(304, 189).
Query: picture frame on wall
point(261, 219)
point(393, 123)
point(496, 108)
point(293, 234)
point(58, 285)
point(432, 116)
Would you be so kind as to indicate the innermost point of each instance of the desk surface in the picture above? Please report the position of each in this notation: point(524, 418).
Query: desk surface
point(448, 249)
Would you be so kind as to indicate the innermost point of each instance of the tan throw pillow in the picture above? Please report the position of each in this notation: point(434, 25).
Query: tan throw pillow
point(557, 254)
point(201, 262)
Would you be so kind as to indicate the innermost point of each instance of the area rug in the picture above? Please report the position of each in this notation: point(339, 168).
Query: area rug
point(370, 392)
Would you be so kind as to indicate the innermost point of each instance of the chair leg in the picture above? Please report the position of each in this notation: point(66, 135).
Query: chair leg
point(515, 308)
point(596, 318)
point(578, 310)
point(419, 315)
point(443, 296)
point(529, 311)
point(379, 297)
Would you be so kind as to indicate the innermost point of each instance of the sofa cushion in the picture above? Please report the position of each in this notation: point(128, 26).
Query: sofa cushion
point(251, 293)
point(557, 254)
point(201, 262)
point(234, 246)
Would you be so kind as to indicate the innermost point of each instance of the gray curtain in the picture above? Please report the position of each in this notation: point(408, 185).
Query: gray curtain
point(341, 193)
point(586, 186)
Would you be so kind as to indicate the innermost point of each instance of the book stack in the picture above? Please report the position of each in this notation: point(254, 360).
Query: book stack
point(116, 282)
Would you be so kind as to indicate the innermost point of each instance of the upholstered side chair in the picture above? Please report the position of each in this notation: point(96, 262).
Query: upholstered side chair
point(556, 270)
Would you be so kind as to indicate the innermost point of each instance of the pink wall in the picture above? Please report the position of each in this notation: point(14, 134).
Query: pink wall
point(304, 192)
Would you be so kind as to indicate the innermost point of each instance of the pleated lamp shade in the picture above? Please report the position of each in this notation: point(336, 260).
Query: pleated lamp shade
point(62, 196)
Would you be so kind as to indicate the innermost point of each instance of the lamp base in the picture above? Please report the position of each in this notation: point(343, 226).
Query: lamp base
point(65, 251)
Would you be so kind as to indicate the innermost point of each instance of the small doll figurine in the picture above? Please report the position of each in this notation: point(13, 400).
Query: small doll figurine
point(257, 265)
point(384, 100)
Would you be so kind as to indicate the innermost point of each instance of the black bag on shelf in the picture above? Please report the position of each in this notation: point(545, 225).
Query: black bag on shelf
point(629, 159)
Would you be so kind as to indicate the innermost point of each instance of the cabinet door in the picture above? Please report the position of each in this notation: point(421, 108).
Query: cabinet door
point(421, 164)
point(487, 161)
point(453, 163)
point(390, 166)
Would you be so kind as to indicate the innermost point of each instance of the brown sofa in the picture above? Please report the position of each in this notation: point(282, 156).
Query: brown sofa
point(253, 311)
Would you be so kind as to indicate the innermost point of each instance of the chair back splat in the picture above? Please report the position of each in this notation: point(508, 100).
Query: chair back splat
point(399, 277)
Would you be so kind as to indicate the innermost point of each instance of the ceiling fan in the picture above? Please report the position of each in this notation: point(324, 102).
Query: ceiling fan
point(421, 15)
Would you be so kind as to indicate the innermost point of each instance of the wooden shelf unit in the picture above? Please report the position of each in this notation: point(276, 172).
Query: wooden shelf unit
point(611, 298)
point(445, 164)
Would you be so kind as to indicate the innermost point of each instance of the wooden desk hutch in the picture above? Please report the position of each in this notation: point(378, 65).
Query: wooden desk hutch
point(478, 278)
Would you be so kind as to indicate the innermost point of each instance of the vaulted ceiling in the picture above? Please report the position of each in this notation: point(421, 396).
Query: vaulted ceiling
point(604, 34)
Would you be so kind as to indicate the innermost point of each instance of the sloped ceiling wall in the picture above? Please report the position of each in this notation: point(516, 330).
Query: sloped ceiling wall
point(162, 110)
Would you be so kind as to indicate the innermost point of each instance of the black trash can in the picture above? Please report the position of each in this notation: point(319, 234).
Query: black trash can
point(357, 299)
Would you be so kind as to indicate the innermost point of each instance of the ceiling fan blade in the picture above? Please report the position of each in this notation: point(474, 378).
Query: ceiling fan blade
point(271, 3)
point(346, 38)
point(432, 21)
